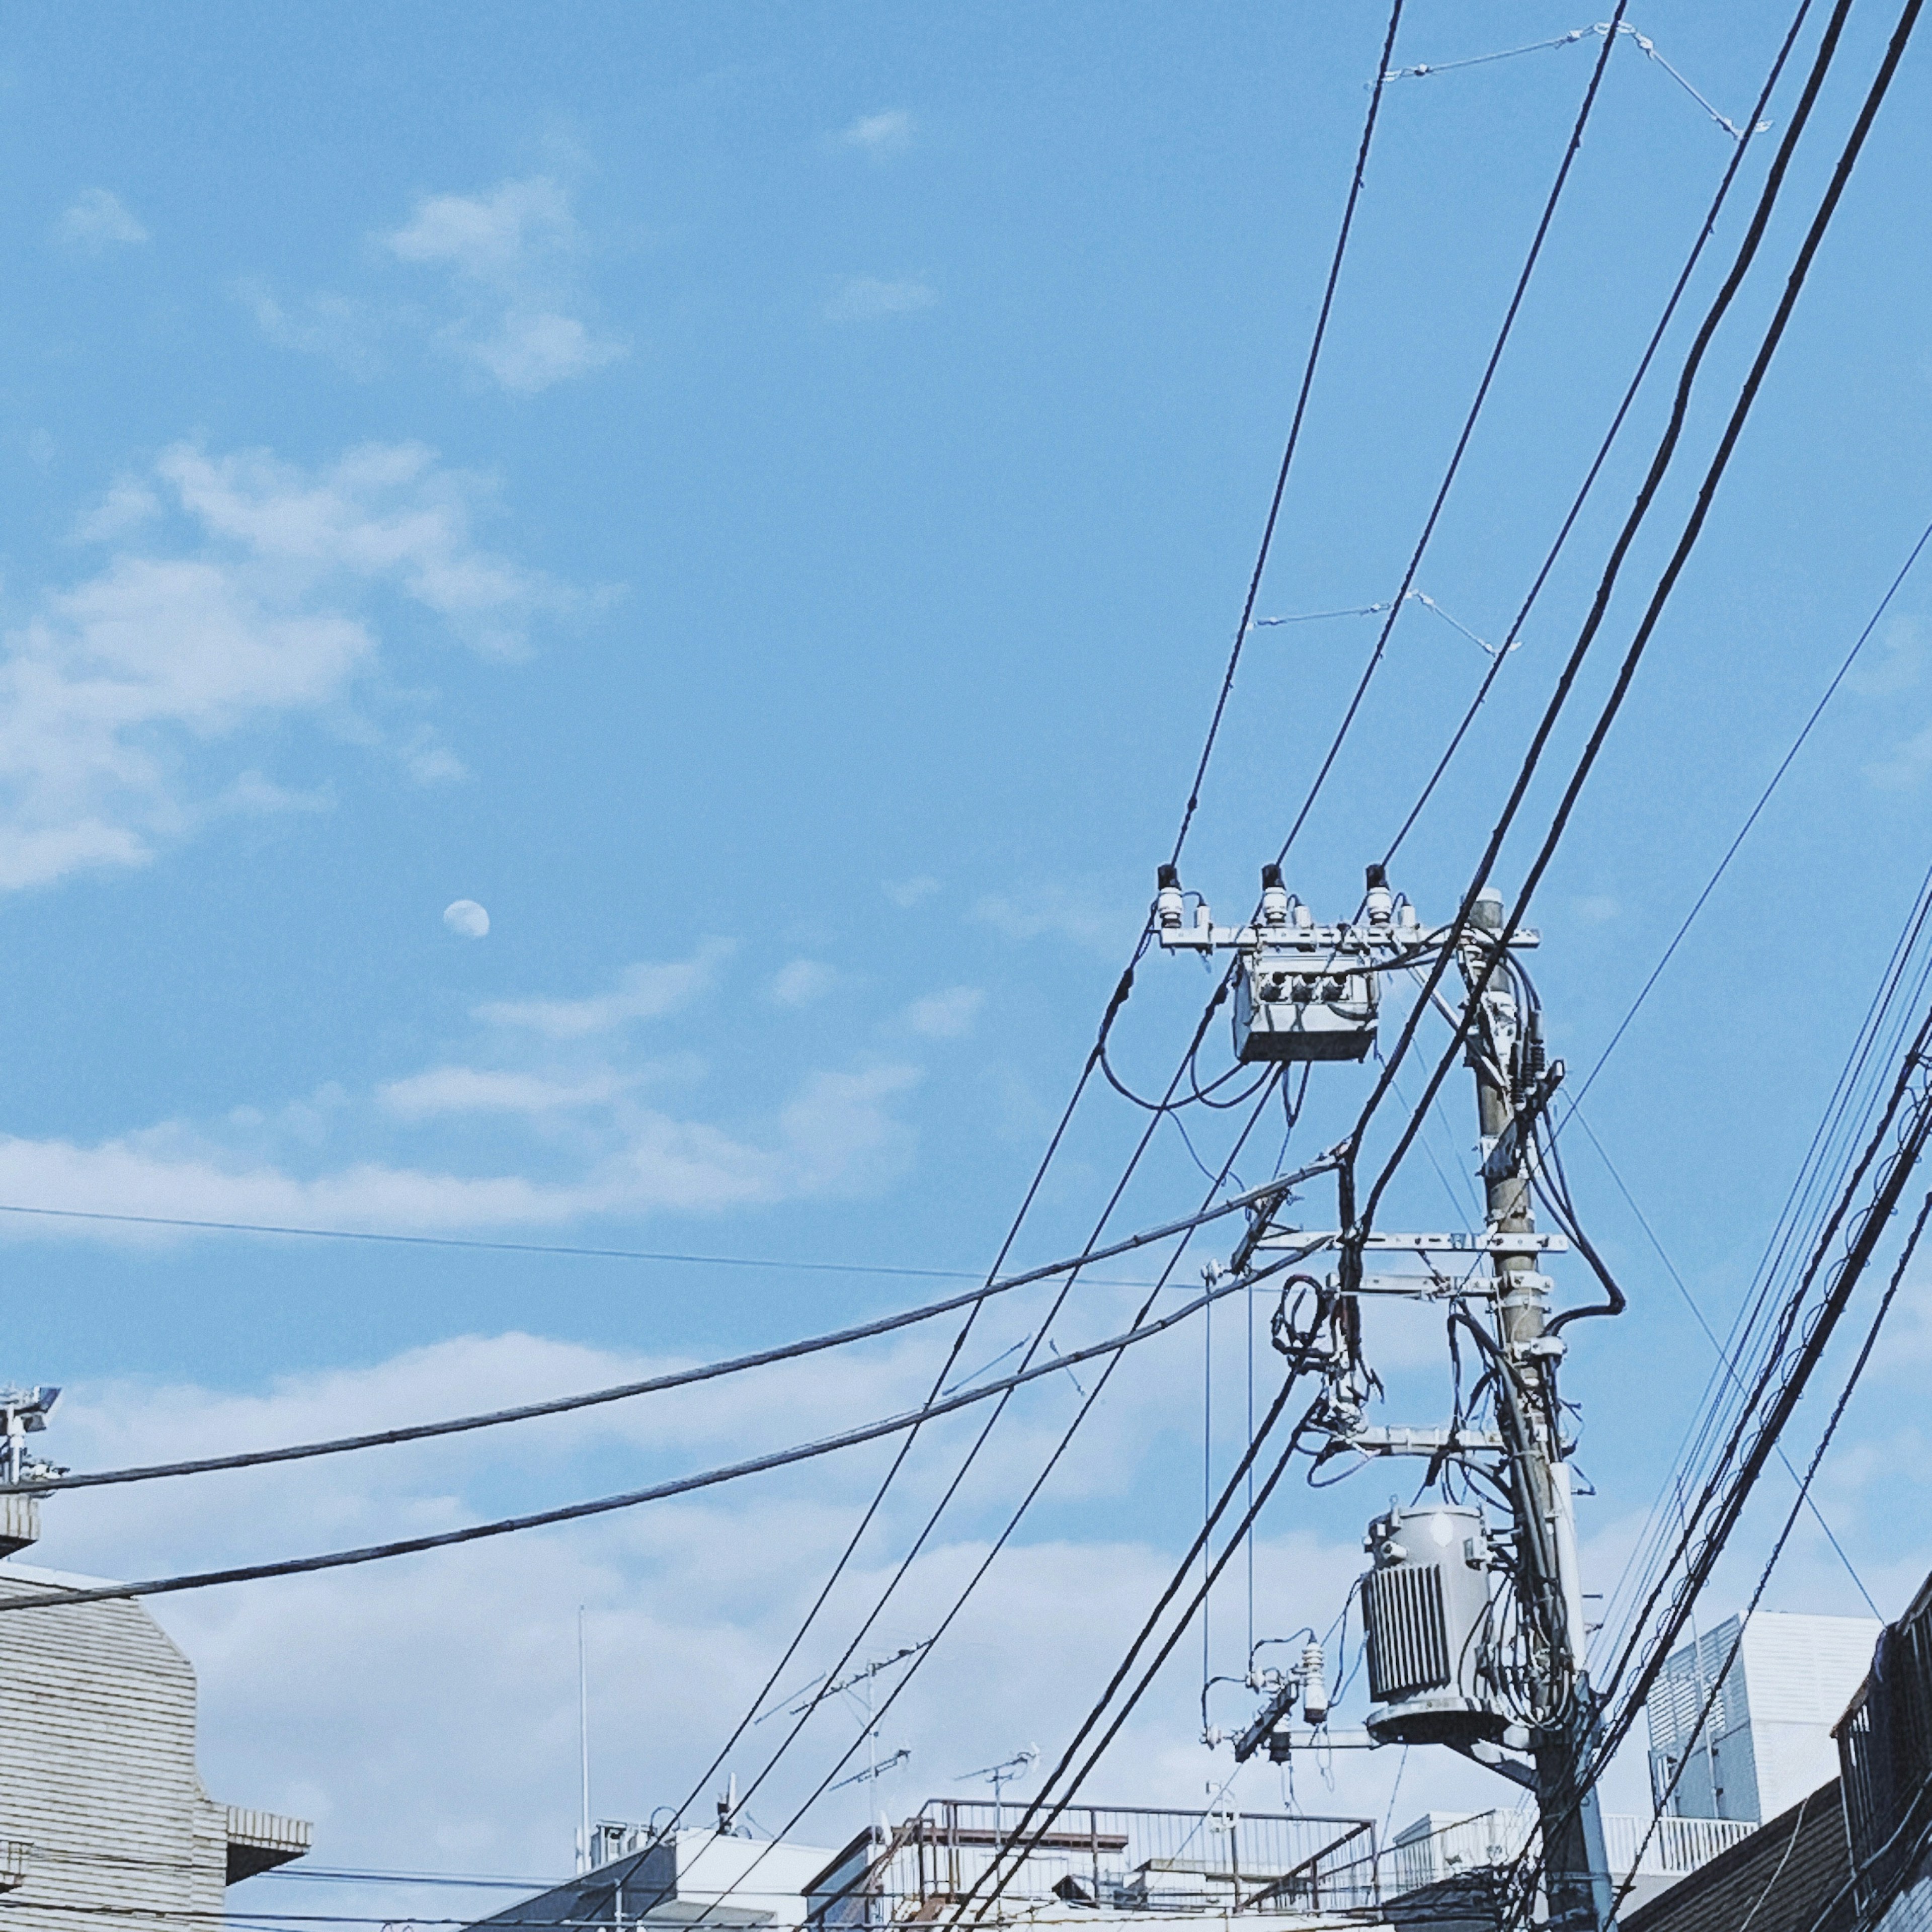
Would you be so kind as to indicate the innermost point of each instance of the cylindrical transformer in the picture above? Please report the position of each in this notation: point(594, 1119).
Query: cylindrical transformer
point(1426, 1614)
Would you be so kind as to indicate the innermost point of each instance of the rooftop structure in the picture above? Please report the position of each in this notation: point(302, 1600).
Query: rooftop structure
point(640, 1877)
point(1447, 1848)
point(1123, 1859)
point(1768, 1742)
point(102, 1809)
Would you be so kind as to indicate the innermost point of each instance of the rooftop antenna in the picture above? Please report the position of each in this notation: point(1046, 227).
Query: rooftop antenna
point(1007, 1772)
point(583, 1746)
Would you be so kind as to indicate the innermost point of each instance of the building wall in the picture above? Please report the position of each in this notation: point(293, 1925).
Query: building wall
point(97, 1766)
point(1769, 1739)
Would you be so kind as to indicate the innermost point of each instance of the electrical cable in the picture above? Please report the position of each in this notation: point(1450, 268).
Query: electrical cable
point(1804, 1485)
point(1293, 434)
point(1667, 582)
point(1724, 1505)
point(655, 1385)
point(1040, 1335)
point(1098, 1057)
point(1710, 1335)
point(999, 1544)
point(485, 1246)
point(1142, 1331)
point(1751, 818)
point(1449, 475)
point(1166, 1649)
point(1821, 1175)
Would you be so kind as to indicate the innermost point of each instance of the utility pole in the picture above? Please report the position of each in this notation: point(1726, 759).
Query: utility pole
point(1506, 1055)
point(1451, 1660)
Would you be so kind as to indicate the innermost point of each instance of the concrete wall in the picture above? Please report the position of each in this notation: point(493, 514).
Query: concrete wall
point(97, 1767)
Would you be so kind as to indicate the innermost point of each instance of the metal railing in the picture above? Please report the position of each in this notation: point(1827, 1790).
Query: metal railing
point(1128, 1857)
point(1677, 1847)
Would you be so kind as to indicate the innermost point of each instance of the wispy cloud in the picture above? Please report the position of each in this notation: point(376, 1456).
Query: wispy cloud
point(1906, 766)
point(1054, 911)
point(97, 219)
point(339, 329)
point(471, 1090)
point(945, 1016)
point(838, 1135)
point(801, 982)
point(234, 598)
point(643, 992)
point(513, 259)
point(868, 298)
point(907, 893)
point(879, 136)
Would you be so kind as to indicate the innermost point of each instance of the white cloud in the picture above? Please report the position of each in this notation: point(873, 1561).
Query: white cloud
point(1897, 665)
point(907, 893)
point(837, 1136)
point(800, 981)
point(1905, 767)
point(97, 219)
point(868, 298)
point(1052, 911)
point(877, 136)
point(469, 1090)
point(643, 992)
point(340, 330)
point(512, 257)
point(945, 1016)
point(1597, 908)
point(239, 605)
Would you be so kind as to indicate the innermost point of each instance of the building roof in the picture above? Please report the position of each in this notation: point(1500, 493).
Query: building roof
point(1789, 1875)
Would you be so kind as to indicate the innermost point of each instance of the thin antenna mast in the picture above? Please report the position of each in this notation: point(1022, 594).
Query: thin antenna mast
point(583, 1746)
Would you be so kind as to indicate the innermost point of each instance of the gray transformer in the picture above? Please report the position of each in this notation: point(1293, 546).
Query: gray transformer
point(1426, 1613)
point(1301, 1002)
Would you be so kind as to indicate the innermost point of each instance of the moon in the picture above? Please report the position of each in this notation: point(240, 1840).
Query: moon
point(465, 919)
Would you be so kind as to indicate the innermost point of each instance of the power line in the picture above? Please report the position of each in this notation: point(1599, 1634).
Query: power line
point(1617, 420)
point(486, 1246)
point(1526, 1880)
point(1087, 1404)
point(1475, 410)
point(1294, 434)
point(341, 1559)
point(1199, 1547)
point(1097, 1056)
point(656, 1384)
point(1751, 818)
point(1818, 1453)
point(1666, 584)
point(1725, 1362)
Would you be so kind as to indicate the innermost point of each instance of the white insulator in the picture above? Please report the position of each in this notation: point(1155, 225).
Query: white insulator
point(1314, 1685)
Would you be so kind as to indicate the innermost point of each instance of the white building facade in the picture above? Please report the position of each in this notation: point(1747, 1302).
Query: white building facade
point(1768, 1742)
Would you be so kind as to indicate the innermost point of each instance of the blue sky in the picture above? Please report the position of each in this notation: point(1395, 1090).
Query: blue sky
point(756, 499)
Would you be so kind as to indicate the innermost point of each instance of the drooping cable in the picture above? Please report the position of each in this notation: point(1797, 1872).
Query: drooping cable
point(1751, 818)
point(1294, 432)
point(1475, 409)
point(656, 1384)
point(999, 1544)
point(1143, 1330)
point(1360, 1221)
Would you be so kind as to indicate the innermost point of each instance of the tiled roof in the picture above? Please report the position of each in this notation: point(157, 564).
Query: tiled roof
point(1781, 1878)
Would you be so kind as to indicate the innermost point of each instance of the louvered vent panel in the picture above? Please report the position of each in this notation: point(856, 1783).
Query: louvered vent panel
point(1408, 1634)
